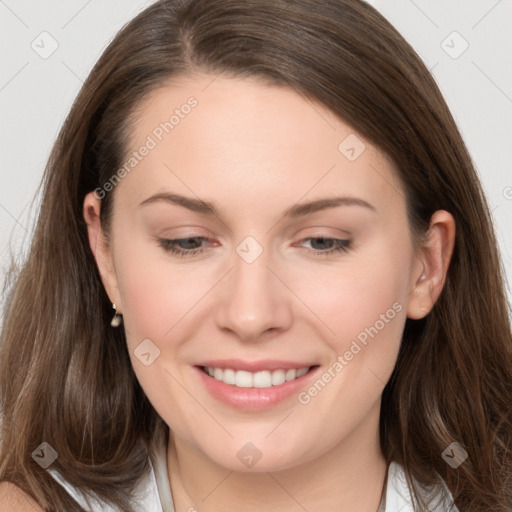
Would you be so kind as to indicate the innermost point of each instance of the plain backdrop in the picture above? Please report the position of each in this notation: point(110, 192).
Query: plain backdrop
point(49, 47)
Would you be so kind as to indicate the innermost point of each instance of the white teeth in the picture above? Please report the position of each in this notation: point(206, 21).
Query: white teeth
point(242, 379)
point(302, 372)
point(278, 377)
point(229, 377)
point(262, 379)
point(290, 374)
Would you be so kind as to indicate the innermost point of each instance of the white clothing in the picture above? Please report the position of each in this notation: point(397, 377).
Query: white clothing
point(153, 493)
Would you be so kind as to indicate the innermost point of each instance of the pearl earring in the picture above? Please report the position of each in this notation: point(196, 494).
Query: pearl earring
point(116, 319)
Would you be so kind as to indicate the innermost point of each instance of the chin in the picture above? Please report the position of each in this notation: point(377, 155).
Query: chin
point(256, 456)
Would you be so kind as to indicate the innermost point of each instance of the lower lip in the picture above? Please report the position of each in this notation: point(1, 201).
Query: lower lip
point(253, 399)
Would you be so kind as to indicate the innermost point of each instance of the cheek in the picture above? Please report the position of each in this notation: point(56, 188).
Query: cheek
point(361, 304)
point(155, 294)
point(362, 308)
point(156, 298)
point(354, 296)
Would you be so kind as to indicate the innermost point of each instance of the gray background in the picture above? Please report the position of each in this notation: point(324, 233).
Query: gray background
point(466, 45)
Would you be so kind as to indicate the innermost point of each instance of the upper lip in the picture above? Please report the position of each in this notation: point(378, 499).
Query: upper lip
point(254, 366)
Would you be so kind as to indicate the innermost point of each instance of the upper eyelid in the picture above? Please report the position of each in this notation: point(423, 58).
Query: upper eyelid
point(205, 237)
point(342, 234)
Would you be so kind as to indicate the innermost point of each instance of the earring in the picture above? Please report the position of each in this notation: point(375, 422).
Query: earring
point(117, 318)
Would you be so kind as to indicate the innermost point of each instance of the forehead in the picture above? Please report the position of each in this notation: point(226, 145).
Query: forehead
point(219, 137)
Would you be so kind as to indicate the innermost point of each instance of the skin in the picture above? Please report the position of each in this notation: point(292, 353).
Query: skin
point(254, 151)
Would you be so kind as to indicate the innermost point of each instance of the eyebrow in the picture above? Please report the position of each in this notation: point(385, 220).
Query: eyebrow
point(298, 210)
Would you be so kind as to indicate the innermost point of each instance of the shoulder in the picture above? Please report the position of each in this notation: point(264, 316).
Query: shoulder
point(13, 499)
point(144, 495)
point(398, 495)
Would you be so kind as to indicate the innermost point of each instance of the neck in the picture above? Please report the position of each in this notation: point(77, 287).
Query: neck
point(347, 478)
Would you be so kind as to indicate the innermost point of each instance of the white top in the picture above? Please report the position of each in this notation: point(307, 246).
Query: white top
point(153, 493)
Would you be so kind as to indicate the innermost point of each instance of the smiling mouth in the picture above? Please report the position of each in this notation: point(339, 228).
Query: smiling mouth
point(261, 379)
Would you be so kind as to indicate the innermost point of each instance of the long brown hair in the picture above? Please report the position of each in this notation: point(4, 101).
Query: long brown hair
point(65, 374)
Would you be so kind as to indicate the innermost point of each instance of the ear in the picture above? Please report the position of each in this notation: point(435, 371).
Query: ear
point(431, 266)
point(101, 248)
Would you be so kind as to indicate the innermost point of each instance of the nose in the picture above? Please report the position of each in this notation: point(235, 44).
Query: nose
point(255, 304)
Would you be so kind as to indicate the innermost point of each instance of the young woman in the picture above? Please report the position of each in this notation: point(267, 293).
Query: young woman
point(264, 277)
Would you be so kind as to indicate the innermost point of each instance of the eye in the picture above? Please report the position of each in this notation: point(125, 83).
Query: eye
point(189, 246)
point(326, 246)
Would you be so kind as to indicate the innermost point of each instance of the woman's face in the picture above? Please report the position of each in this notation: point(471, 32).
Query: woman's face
point(295, 254)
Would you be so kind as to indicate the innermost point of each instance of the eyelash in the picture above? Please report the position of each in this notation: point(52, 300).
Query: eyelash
point(169, 246)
